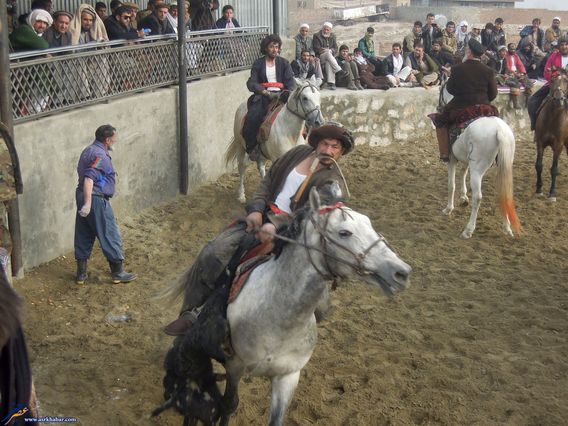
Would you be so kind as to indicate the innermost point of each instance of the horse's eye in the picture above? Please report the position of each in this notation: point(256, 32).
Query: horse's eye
point(345, 234)
point(305, 98)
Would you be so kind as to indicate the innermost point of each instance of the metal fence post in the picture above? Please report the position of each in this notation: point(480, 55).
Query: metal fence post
point(182, 101)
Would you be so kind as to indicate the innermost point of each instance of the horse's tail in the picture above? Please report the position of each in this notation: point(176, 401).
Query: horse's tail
point(233, 151)
point(174, 291)
point(505, 156)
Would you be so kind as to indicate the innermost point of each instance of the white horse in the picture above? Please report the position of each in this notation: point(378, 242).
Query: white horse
point(485, 141)
point(272, 321)
point(303, 106)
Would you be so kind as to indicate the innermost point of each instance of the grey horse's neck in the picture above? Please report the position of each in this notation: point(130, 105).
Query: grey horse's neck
point(300, 285)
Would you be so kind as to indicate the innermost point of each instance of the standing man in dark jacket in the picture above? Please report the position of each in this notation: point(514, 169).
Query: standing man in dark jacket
point(95, 218)
point(472, 84)
point(269, 77)
point(430, 32)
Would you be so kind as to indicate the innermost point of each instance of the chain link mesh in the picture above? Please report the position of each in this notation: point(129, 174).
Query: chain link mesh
point(45, 84)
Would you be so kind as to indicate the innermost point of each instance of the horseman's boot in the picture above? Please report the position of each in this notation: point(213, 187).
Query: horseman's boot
point(185, 320)
point(82, 275)
point(443, 137)
point(119, 275)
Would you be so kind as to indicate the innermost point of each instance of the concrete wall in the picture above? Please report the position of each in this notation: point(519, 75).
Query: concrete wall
point(399, 115)
point(146, 156)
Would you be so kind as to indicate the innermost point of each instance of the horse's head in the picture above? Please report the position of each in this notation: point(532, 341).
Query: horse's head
point(348, 246)
point(304, 102)
point(559, 85)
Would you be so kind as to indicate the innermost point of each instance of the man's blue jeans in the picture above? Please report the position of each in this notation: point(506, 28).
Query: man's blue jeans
point(101, 224)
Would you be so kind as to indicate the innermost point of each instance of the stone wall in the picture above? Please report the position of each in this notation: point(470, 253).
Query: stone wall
point(400, 115)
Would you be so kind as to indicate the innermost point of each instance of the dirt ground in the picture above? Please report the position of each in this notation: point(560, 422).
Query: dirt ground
point(480, 338)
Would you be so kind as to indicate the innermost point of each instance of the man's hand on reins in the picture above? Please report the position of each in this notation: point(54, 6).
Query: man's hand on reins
point(254, 221)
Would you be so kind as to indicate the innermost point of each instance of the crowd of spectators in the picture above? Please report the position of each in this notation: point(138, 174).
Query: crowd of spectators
point(425, 55)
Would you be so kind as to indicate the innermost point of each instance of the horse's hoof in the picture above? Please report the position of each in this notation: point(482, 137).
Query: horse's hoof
point(538, 193)
point(464, 201)
point(242, 199)
point(447, 211)
point(552, 199)
point(466, 235)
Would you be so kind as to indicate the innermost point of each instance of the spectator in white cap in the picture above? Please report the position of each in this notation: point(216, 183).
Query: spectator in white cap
point(303, 40)
point(552, 34)
point(461, 35)
point(28, 36)
point(325, 47)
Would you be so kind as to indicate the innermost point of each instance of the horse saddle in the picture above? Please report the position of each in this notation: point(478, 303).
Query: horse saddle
point(250, 260)
point(464, 117)
point(272, 111)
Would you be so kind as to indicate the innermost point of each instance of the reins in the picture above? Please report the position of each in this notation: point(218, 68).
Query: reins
point(327, 241)
point(300, 105)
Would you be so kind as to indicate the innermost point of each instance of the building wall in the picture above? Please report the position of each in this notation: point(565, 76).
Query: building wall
point(146, 156)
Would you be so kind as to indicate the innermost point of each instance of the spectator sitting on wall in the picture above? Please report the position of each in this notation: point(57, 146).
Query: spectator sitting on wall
point(552, 34)
point(511, 72)
point(303, 40)
point(553, 49)
point(87, 27)
point(411, 39)
point(367, 46)
point(29, 35)
point(227, 20)
point(424, 69)
point(58, 34)
point(350, 76)
point(529, 60)
point(366, 72)
point(443, 59)
point(325, 46)
point(101, 10)
point(535, 35)
point(430, 32)
point(304, 68)
point(474, 34)
point(449, 39)
point(393, 67)
point(157, 21)
point(118, 25)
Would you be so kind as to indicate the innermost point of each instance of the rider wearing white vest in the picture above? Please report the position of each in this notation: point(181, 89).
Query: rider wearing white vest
point(316, 162)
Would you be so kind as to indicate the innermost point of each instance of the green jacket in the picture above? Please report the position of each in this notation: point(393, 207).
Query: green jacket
point(25, 38)
point(368, 47)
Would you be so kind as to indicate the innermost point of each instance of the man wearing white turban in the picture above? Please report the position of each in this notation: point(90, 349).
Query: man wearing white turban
point(28, 37)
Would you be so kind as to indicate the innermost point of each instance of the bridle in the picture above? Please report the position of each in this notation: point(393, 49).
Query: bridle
point(301, 111)
point(562, 96)
point(327, 241)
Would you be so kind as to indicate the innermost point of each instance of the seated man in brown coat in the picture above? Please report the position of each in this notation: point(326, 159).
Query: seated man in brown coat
point(473, 86)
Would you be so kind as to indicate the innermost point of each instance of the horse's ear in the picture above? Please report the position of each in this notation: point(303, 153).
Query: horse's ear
point(298, 81)
point(315, 202)
point(313, 79)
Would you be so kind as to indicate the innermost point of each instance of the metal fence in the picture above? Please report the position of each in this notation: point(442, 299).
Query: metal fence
point(56, 80)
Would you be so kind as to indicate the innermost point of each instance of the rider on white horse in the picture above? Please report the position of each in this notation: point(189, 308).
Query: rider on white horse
point(285, 189)
point(473, 86)
point(269, 77)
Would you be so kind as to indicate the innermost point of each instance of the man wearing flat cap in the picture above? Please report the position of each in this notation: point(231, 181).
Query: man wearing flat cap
point(284, 190)
point(58, 34)
point(473, 86)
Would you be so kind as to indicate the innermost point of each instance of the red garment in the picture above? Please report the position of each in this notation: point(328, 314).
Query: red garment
point(555, 60)
point(514, 58)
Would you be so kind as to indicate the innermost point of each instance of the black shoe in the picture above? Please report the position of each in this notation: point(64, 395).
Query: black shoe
point(82, 275)
point(445, 159)
point(119, 275)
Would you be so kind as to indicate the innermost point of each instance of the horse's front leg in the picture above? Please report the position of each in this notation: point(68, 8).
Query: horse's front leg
point(464, 201)
point(451, 185)
point(553, 174)
point(475, 182)
point(538, 168)
point(283, 388)
point(242, 169)
point(261, 165)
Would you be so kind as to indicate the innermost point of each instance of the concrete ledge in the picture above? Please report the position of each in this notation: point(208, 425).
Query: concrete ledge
point(400, 115)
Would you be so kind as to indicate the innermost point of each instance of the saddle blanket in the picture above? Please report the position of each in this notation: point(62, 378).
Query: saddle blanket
point(251, 259)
